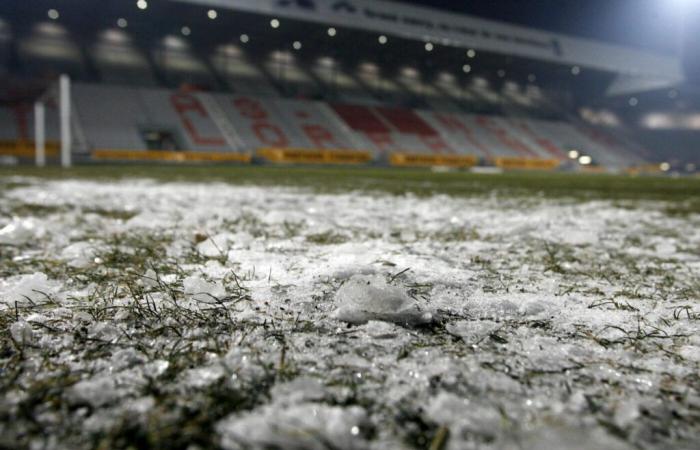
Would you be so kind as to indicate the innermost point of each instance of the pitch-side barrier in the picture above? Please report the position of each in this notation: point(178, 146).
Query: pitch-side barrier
point(26, 149)
point(425, 160)
point(313, 156)
point(169, 156)
point(510, 163)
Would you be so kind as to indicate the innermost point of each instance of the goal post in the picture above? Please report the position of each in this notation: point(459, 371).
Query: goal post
point(40, 133)
point(64, 112)
point(63, 97)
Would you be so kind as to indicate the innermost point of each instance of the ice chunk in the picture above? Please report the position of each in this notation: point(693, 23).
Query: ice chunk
point(20, 231)
point(125, 358)
point(306, 426)
point(79, 254)
point(364, 297)
point(626, 412)
point(241, 239)
point(27, 288)
point(201, 377)
point(579, 237)
point(665, 247)
point(464, 414)
point(202, 290)
point(215, 246)
point(690, 352)
point(104, 331)
point(22, 332)
point(472, 332)
point(150, 279)
point(96, 391)
point(298, 390)
point(381, 330)
point(564, 437)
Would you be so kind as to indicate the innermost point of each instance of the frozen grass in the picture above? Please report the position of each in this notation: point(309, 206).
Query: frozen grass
point(209, 307)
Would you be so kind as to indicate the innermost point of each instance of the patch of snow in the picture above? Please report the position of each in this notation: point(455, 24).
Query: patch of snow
point(215, 246)
point(306, 426)
point(301, 389)
point(201, 290)
point(79, 254)
point(22, 332)
point(21, 231)
point(473, 332)
point(464, 415)
point(24, 289)
point(363, 298)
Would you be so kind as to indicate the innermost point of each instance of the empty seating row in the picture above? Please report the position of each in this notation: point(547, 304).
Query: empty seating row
point(126, 118)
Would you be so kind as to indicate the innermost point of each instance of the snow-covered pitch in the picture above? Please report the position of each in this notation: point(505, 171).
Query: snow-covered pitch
point(195, 315)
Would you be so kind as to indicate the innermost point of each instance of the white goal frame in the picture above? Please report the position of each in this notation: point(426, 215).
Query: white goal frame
point(64, 109)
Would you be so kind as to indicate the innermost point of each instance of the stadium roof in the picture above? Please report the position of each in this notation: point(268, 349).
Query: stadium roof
point(646, 24)
point(637, 68)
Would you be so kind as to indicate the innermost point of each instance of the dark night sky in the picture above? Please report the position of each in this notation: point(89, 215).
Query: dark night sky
point(651, 24)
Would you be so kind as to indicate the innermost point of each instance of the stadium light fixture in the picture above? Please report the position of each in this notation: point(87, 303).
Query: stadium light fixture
point(186, 31)
point(245, 38)
point(573, 154)
point(633, 101)
point(53, 14)
point(274, 23)
point(471, 53)
point(142, 4)
point(369, 68)
point(332, 32)
point(446, 77)
point(429, 46)
point(122, 23)
point(410, 72)
point(511, 86)
point(585, 160)
point(296, 45)
point(212, 14)
point(665, 167)
point(114, 36)
point(466, 68)
point(174, 42)
point(383, 39)
point(575, 71)
point(326, 61)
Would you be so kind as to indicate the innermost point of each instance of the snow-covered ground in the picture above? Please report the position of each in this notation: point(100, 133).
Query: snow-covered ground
point(188, 315)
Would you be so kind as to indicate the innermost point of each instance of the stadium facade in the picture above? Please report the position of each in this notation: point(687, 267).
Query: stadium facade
point(337, 81)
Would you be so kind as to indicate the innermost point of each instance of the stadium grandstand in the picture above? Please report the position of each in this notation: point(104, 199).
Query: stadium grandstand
point(350, 224)
point(332, 82)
